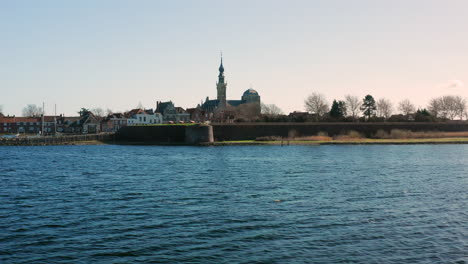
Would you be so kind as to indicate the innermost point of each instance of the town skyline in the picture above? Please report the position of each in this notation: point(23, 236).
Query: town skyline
point(159, 52)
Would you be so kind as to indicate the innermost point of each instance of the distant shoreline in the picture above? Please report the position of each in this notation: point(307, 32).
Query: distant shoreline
point(423, 141)
point(439, 141)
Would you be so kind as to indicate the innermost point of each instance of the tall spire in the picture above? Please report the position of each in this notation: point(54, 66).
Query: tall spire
point(221, 86)
point(221, 67)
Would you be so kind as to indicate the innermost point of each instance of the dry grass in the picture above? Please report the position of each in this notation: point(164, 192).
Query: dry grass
point(349, 136)
point(353, 136)
point(406, 134)
point(321, 136)
point(313, 138)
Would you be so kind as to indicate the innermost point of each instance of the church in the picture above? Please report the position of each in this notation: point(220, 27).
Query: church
point(247, 107)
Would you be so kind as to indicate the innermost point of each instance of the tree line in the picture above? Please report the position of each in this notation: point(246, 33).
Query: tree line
point(448, 107)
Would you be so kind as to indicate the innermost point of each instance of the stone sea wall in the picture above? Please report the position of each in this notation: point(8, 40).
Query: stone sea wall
point(169, 134)
point(249, 131)
point(177, 134)
point(57, 140)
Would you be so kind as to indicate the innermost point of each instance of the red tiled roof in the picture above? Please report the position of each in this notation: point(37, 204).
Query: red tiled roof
point(19, 119)
point(50, 118)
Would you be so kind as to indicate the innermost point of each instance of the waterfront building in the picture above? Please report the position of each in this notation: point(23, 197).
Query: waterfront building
point(64, 123)
point(87, 124)
point(171, 113)
point(13, 124)
point(113, 122)
point(143, 117)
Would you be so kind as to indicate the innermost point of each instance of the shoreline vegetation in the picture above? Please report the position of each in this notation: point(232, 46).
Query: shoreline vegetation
point(347, 142)
point(395, 137)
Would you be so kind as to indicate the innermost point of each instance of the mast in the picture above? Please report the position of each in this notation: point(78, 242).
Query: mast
point(43, 111)
point(55, 119)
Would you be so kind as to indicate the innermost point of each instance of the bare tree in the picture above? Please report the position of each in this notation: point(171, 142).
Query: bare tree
point(246, 112)
point(1, 108)
point(316, 104)
point(109, 111)
point(140, 106)
point(448, 106)
point(32, 110)
point(449, 109)
point(271, 110)
point(384, 108)
point(353, 105)
point(435, 107)
point(406, 107)
point(98, 112)
point(460, 106)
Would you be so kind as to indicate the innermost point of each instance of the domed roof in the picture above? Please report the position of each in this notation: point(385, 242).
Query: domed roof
point(250, 92)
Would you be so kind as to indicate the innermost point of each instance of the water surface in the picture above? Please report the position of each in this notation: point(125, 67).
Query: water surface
point(246, 204)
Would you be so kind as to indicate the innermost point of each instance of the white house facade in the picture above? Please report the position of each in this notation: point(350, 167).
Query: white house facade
point(144, 118)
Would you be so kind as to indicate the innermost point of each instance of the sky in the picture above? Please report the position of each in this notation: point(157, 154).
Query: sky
point(115, 54)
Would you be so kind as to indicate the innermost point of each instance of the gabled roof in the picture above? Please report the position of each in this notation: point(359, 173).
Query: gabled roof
point(210, 105)
point(89, 118)
point(134, 112)
point(70, 118)
point(161, 106)
point(50, 118)
point(180, 110)
point(117, 115)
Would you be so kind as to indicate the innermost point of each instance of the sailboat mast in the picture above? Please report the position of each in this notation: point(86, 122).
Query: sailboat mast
point(43, 112)
point(55, 119)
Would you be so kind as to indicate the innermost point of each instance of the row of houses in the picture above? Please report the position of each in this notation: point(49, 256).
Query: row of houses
point(165, 112)
point(49, 124)
point(88, 122)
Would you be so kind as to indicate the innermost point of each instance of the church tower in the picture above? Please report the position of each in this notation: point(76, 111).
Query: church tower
point(221, 86)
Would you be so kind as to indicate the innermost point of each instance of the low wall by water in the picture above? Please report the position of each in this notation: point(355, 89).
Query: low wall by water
point(250, 131)
point(56, 140)
point(152, 134)
point(199, 134)
point(166, 134)
point(193, 134)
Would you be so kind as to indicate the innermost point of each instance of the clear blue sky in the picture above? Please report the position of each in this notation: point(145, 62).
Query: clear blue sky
point(115, 54)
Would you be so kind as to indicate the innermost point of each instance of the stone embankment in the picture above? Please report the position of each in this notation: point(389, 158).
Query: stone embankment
point(204, 134)
point(189, 134)
point(57, 140)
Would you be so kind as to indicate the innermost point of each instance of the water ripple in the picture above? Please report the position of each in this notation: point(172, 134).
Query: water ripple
point(261, 204)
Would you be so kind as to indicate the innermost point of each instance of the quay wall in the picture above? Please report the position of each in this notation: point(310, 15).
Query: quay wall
point(56, 140)
point(177, 134)
point(170, 134)
point(199, 134)
point(250, 131)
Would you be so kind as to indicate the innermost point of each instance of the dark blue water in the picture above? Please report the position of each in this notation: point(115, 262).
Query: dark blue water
point(247, 204)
